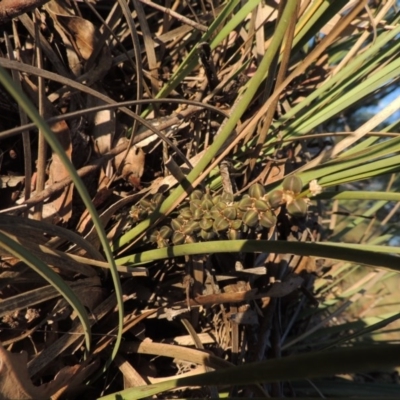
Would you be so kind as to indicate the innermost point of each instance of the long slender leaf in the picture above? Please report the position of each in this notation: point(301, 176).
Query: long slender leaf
point(347, 252)
point(47, 273)
point(305, 366)
point(33, 114)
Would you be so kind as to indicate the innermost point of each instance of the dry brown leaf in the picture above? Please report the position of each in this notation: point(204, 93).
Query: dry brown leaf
point(15, 382)
point(83, 33)
point(57, 172)
point(80, 37)
point(10, 181)
point(103, 130)
point(57, 9)
point(132, 167)
point(86, 220)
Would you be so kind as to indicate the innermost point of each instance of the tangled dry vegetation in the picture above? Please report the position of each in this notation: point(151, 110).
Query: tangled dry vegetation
point(203, 225)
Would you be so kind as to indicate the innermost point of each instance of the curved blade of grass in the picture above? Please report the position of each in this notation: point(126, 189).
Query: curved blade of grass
point(356, 173)
point(347, 252)
point(346, 98)
point(359, 195)
point(228, 127)
point(294, 368)
point(360, 67)
point(33, 114)
point(54, 279)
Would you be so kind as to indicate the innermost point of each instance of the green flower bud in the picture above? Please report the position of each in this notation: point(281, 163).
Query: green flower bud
point(250, 218)
point(221, 205)
point(256, 191)
point(165, 232)
point(297, 208)
point(206, 224)
point(176, 224)
point(195, 205)
point(275, 198)
point(207, 197)
point(236, 224)
point(261, 205)
point(190, 228)
point(215, 213)
point(227, 197)
point(230, 213)
point(216, 199)
point(207, 204)
point(190, 239)
point(196, 195)
point(267, 219)
point(220, 224)
point(233, 234)
point(145, 203)
point(178, 238)
point(245, 203)
point(154, 236)
point(186, 213)
point(292, 183)
point(207, 235)
point(162, 243)
point(198, 214)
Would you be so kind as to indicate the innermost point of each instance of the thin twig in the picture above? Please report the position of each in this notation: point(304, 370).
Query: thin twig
point(175, 15)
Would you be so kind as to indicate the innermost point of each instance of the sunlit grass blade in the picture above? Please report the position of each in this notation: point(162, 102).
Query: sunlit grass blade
point(347, 252)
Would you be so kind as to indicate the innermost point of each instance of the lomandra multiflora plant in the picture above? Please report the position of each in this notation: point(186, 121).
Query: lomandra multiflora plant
point(254, 239)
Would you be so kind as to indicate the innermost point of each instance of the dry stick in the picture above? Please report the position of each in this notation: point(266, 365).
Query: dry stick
point(93, 166)
point(175, 15)
point(42, 144)
point(194, 106)
point(138, 63)
point(23, 117)
point(199, 346)
point(362, 39)
point(149, 48)
point(278, 289)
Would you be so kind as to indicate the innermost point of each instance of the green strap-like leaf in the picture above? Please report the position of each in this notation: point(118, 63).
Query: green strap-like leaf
point(55, 280)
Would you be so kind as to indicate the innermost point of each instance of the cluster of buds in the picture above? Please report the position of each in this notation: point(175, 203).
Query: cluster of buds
point(205, 217)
